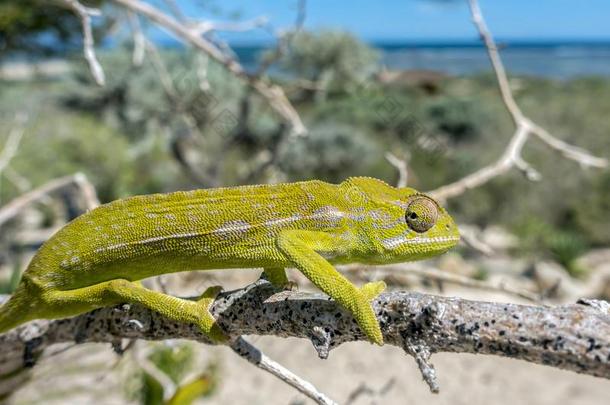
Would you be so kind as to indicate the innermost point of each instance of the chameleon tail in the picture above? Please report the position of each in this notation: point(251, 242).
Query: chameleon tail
point(19, 309)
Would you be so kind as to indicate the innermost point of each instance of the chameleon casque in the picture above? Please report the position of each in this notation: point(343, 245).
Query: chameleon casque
point(95, 260)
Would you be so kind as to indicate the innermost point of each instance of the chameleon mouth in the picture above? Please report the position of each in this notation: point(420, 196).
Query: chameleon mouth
point(440, 241)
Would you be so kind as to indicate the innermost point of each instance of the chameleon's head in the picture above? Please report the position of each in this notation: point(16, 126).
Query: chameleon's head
point(422, 229)
point(405, 225)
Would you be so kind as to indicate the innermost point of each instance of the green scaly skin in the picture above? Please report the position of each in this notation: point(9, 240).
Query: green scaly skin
point(95, 260)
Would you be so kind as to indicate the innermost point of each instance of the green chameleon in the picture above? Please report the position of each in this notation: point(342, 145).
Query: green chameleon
point(95, 260)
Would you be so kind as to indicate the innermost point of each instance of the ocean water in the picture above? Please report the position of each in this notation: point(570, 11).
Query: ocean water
point(557, 59)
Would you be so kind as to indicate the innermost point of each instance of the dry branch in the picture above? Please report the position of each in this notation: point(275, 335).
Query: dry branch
point(573, 337)
point(12, 142)
point(401, 167)
point(139, 40)
point(85, 14)
point(511, 158)
point(273, 94)
point(79, 180)
point(397, 275)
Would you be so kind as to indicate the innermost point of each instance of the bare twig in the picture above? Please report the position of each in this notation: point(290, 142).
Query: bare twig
point(139, 40)
point(87, 190)
point(273, 94)
point(12, 142)
point(15, 206)
point(85, 14)
point(401, 166)
point(399, 272)
point(203, 62)
point(19, 181)
point(511, 158)
point(569, 151)
point(572, 337)
point(486, 173)
point(260, 360)
point(205, 27)
point(161, 69)
point(469, 238)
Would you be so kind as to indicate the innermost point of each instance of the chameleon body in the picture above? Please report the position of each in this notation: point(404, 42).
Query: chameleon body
point(95, 260)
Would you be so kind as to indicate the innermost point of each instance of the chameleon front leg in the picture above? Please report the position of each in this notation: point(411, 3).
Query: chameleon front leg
point(123, 291)
point(277, 276)
point(300, 248)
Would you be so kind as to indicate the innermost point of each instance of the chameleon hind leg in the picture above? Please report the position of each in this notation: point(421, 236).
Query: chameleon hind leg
point(301, 247)
point(277, 277)
point(123, 291)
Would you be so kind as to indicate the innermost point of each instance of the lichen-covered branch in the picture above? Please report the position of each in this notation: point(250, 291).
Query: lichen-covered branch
point(573, 337)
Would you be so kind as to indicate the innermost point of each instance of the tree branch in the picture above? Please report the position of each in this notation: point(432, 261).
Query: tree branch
point(397, 275)
point(87, 190)
point(511, 158)
point(85, 14)
point(401, 167)
point(12, 142)
point(572, 337)
point(273, 94)
point(260, 360)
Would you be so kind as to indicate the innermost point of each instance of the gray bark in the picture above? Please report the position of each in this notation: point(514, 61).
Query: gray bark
point(573, 337)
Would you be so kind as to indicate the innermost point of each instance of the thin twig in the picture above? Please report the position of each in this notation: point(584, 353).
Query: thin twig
point(469, 238)
point(87, 191)
point(205, 27)
point(398, 273)
point(476, 179)
point(15, 206)
point(139, 40)
point(12, 142)
point(259, 359)
point(19, 181)
point(164, 76)
point(401, 166)
point(85, 14)
point(273, 94)
point(511, 158)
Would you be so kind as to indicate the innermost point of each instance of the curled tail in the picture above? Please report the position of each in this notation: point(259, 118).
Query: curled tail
point(20, 308)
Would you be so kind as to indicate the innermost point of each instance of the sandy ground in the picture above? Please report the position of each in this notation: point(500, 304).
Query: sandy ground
point(385, 375)
point(356, 373)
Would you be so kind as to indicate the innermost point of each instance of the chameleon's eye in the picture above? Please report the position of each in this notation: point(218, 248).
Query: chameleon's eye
point(421, 213)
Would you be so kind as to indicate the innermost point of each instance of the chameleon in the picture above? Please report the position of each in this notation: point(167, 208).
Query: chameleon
point(97, 259)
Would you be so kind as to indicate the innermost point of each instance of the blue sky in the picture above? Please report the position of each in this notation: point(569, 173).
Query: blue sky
point(429, 20)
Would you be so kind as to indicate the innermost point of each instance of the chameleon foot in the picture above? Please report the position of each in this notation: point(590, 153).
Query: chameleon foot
point(373, 289)
point(277, 277)
point(207, 323)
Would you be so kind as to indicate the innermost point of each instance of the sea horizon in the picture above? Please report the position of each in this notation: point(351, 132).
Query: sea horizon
point(550, 58)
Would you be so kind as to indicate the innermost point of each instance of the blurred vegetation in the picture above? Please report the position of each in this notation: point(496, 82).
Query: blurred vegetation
point(332, 61)
point(39, 27)
point(177, 362)
point(140, 134)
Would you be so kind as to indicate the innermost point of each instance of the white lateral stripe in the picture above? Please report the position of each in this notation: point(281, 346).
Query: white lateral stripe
point(149, 240)
point(391, 243)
